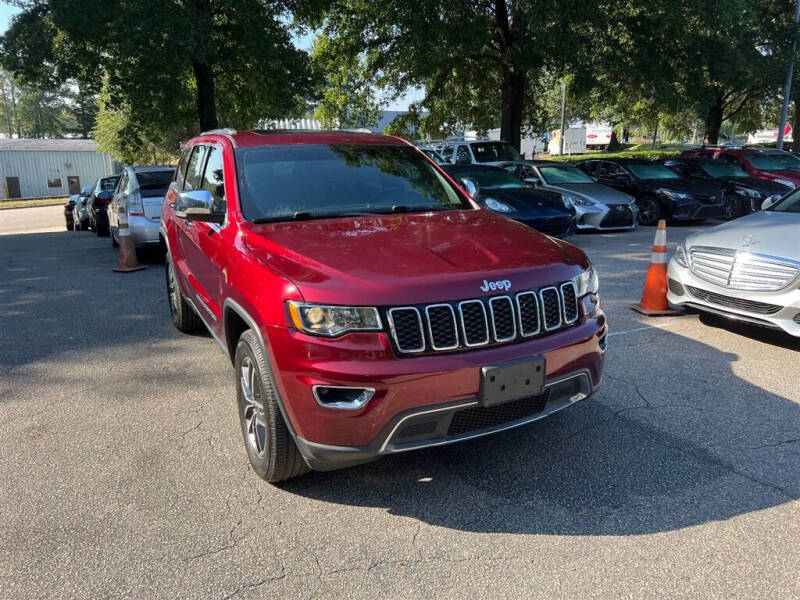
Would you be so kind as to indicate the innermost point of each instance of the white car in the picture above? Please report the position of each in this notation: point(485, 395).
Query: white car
point(747, 269)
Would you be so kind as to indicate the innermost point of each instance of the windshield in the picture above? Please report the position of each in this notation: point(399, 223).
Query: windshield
point(652, 172)
point(494, 151)
point(437, 158)
point(789, 204)
point(786, 160)
point(107, 184)
point(556, 175)
point(723, 169)
point(304, 181)
point(763, 162)
point(490, 178)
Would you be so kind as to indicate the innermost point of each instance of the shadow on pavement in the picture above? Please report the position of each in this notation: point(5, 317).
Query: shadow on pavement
point(659, 448)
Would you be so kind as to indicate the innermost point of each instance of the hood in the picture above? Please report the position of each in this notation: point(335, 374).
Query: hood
point(593, 191)
point(684, 185)
point(764, 232)
point(793, 176)
point(529, 201)
point(764, 186)
point(411, 258)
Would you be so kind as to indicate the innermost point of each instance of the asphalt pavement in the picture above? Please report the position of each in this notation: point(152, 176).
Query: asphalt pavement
point(123, 473)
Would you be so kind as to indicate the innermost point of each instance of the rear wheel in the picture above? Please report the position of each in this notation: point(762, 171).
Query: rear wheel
point(183, 316)
point(270, 447)
point(70, 226)
point(649, 210)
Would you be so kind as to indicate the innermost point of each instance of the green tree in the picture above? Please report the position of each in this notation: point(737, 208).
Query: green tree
point(192, 62)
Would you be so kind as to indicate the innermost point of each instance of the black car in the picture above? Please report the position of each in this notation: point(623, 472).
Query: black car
point(743, 194)
point(97, 205)
point(69, 215)
point(660, 192)
point(498, 190)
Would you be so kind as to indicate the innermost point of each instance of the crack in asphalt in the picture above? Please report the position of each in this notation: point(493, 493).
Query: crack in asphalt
point(259, 583)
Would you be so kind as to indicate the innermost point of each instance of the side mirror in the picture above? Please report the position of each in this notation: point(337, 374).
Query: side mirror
point(197, 205)
point(470, 186)
point(768, 202)
point(534, 181)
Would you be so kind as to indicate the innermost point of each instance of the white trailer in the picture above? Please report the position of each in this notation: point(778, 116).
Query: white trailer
point(574, 141)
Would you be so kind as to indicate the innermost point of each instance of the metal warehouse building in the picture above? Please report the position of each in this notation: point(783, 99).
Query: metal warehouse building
point(54, 167)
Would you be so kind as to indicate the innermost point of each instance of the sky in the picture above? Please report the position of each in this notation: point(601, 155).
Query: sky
point(303, 41)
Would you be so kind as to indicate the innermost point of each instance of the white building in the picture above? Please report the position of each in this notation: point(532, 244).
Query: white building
point(49, 167)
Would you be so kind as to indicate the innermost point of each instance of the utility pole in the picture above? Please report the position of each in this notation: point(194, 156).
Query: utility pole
point(564, 113)
point(787, 89)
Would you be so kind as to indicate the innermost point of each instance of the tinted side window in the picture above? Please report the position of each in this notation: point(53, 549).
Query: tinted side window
point(194, 171)
point(182, 168)
point(214, 181)
point(462, 155)
point(611, 170)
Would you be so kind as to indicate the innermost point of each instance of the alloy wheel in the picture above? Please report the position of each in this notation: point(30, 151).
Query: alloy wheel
point(253, 406)
point(171, 290)
point(647, 211)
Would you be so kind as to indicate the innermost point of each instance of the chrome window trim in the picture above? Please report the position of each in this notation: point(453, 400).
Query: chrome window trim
point(513, 318)
point(430, 329)
point(394, 331)
point(564, 303)
point(538, 313)
point(560, 308)
point(485, 322)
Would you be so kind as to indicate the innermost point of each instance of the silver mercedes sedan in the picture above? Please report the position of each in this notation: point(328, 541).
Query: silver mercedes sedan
point(597, 206)
point(747, 269)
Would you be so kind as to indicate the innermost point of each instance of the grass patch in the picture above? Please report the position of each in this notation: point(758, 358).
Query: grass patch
point(22, 203)
point(652, 154)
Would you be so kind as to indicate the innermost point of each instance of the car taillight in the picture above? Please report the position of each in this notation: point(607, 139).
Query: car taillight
point(135, 208)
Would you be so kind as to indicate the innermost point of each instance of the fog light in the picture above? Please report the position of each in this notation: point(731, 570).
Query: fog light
point(675, 287)
point(346, 398)
point(603, 343)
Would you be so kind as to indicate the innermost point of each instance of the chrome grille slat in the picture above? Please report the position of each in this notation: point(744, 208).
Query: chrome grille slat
point(740, 270)
point(479, 322)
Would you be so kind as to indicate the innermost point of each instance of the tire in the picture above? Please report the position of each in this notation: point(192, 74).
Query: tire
point(649, 210)
point(70, 226)
point(183, 316)
point(269, 445)
point(732, 207)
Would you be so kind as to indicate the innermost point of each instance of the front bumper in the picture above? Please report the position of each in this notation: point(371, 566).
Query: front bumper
point(558, 227)
point(421, 401)
point(695, 210)
point(606, 217)
point(777, 310)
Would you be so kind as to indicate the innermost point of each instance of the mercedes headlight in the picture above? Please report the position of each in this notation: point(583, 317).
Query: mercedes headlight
point(497, 206)
point(674, 195)
point(680, 256)
point(332, 321)
point(786, 182)
point(587, 282)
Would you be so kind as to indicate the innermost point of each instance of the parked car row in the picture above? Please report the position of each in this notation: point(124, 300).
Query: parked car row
point(137, 193)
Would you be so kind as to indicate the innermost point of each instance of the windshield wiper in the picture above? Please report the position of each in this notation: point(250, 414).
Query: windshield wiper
point(307, 216)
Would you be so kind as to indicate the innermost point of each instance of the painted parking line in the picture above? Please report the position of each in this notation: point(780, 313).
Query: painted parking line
point(645, 328)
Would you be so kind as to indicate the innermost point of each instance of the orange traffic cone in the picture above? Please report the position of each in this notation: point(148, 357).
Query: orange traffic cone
point(654, 296)
point(127, 251)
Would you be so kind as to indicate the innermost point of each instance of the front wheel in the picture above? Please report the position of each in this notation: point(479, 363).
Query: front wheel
point(649, 211)
point(270, 448)
point(732, 207)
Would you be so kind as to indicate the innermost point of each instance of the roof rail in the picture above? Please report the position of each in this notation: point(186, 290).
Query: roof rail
point(222, 130)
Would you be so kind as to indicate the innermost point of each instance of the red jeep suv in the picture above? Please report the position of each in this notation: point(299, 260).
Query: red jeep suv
point(367, 304)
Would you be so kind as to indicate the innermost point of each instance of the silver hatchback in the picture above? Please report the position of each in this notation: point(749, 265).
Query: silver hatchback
point(139, 194)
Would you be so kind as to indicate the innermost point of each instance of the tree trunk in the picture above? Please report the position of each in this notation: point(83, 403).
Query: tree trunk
point(206, 97)
point(714, 123)
point(626, 134)
point(613, 142)
point(655, 135)
point(796, 127)
point(512, 100)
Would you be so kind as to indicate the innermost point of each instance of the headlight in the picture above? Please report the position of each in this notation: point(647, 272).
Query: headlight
point(577, 201)
point(680, 256)
point(331, 321)
point(786, 182)
point(498, 206)
point(750, 193)
point(587, 282)
point(674, 195)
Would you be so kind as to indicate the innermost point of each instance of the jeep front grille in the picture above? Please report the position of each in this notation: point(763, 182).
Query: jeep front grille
point(482, 321)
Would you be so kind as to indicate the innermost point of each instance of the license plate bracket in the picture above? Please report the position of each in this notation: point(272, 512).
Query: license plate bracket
point(510, 381)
